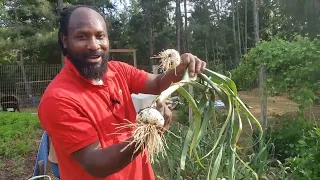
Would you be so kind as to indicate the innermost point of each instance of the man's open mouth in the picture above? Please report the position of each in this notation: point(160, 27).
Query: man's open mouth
point(94, 57)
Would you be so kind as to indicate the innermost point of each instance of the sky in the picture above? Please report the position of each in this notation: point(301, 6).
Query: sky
point(120, 4)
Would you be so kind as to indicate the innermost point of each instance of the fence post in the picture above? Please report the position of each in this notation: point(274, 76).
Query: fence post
point(263, 96)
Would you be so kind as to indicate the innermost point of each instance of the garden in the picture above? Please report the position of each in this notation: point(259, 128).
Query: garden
point(269, 49)
point(290, 148)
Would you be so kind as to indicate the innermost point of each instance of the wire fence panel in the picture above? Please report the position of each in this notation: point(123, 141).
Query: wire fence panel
point(27, 82)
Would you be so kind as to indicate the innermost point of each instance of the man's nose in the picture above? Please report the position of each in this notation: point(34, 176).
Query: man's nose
point(93, 44)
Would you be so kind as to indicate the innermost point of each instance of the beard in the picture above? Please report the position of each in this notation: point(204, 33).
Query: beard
point(87, 69)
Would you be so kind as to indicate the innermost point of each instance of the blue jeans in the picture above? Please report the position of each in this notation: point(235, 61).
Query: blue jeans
point(55, 169)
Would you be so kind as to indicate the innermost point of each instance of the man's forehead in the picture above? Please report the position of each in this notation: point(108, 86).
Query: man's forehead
point(83, 17)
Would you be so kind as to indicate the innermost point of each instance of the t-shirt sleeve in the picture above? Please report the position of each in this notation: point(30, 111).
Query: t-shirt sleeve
point(136, 78)
point(66, 125)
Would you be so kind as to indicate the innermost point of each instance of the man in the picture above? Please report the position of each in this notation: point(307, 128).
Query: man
point(83, 104)
point(52, 157)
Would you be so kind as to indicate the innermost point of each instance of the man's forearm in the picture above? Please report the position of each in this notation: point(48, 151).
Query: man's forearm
point(107, 161)
point(166, 79)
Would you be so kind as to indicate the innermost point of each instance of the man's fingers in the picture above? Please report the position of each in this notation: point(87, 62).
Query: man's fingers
point(160, 107)
point(167, 116)
point(198, 65)
point(203, 66)
point(185, 59)
point(192, 64)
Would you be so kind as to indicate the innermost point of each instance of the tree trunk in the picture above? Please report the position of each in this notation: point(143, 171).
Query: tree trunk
point(239, 31)
point(182, 33)
point(20, 58)
point(186, 26)
point(178, 31)
point(246, 26)
point(60, 5)
point(218, 10)
point(263, 96)
point(234, 32)
point(312, 18)
point(151, 39)
point(256, 20)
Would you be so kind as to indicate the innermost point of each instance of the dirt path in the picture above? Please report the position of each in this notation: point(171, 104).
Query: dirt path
point(276, 105)
point(21, 168)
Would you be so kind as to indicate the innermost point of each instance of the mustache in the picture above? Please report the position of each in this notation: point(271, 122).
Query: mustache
point(94, 53)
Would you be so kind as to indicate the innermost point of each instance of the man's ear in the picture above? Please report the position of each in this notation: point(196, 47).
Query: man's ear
point(64, 40)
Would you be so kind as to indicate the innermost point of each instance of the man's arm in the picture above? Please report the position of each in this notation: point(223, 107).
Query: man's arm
point(156, 83)
point(74, 134)
point(104, 162)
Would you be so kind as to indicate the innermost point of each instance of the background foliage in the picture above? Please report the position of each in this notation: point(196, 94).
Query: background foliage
point(221, 32)
point(292, 68)
point(234, 36)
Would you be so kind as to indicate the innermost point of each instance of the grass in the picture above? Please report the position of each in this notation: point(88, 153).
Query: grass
point(19, 135)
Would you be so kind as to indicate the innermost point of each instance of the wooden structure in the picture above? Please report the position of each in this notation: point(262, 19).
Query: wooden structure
point(155, 67)
point(133, 51)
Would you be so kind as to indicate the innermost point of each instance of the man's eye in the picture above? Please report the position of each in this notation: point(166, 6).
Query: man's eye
point(100, 36)
point(81, 37)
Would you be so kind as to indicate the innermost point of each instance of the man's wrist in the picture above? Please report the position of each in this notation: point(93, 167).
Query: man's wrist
point(133, 145)
point(179, 71)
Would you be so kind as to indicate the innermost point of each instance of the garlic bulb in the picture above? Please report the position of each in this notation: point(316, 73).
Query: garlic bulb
point(170, 59)
point(151, 116)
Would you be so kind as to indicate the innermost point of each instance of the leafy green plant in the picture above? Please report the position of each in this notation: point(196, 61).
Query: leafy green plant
point(306, 164)
point(261, 159)
point(169, 167)
point(17, 133)
point(286, 135)
point(292, 68)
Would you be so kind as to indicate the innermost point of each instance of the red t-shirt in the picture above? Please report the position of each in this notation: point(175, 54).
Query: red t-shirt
point(76, 113)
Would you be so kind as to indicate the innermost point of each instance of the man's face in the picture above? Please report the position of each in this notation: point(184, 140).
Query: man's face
point(87, 43)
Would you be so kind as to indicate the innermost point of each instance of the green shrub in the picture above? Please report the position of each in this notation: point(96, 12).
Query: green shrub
point(292, 68)
point(17, 133)
point(287, 134)
point(306, 164)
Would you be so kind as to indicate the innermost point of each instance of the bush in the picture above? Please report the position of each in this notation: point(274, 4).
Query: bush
point(287, 134)
point(306, 164)
point(17, 133)
point(292, 68)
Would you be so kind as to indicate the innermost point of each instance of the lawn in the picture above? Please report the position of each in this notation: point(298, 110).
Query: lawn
point(19, 138)
point(20, 134)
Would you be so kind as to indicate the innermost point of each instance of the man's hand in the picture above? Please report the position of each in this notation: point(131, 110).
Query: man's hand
point(166, 113)
point(156, 83)
point(191, 62)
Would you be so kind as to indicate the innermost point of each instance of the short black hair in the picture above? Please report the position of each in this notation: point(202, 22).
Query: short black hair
point(64, 22)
